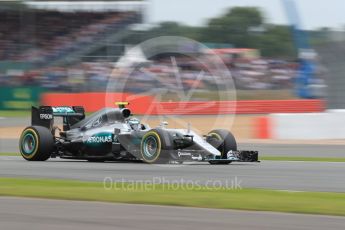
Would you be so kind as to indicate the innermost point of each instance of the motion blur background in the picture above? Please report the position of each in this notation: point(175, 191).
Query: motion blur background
point(286, 100)
point(284, 57)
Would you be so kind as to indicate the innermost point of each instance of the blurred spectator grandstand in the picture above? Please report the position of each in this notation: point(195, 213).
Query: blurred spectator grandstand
point(54, 34)
point(93, 76)
point(43, 36)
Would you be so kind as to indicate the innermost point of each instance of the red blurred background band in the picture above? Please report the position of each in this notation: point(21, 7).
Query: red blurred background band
point(147, 104)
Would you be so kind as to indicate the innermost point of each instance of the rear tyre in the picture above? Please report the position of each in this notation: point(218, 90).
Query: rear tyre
point(224, 141)
point(36, 143)
point(153, 147)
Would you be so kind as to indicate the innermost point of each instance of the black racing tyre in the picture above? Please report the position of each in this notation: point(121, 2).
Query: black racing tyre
point(154, 147)
point(36, 143)
point(227, 143)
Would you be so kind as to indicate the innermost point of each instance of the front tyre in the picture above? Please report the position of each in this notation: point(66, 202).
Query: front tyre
point(153, 147)
point(36, 143)
point(224, 141)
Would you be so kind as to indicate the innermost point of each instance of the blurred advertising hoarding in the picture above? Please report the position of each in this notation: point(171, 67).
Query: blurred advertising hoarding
point(19, 98)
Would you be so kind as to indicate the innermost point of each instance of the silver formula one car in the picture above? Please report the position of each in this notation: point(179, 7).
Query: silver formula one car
point(113, 134)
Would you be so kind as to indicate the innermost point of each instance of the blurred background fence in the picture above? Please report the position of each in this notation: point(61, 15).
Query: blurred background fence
point(72, 47)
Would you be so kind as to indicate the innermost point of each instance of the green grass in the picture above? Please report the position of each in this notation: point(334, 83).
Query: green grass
point(9, 154)
point(243, 199)
point(14, 113)
point(295, 158)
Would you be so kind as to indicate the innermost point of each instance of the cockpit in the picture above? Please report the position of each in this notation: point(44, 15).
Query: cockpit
point(103, 117)
point(135, 124)
point(108, 116)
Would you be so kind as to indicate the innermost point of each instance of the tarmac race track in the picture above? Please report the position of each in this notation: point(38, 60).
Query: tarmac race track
point(299, 176)
point(32, 214)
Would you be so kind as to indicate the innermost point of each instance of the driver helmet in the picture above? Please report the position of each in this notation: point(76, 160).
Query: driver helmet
point(134, 123)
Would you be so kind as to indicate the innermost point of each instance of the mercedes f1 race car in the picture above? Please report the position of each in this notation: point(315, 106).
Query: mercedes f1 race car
point(114, 134)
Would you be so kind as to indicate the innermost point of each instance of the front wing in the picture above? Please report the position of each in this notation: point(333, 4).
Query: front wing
point(238, 156)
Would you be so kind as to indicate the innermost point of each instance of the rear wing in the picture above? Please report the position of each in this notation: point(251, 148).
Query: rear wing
point(44, 115)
